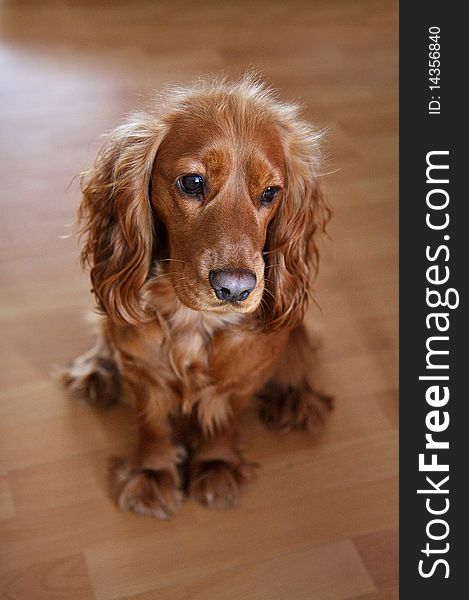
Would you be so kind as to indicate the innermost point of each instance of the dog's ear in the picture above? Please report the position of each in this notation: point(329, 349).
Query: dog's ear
point(291, 252)
point(116, 221)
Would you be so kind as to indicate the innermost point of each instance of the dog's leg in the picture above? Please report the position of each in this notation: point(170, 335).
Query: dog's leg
point(149, 482)
point(94, 376)
point(218, 471)
point(289, 400)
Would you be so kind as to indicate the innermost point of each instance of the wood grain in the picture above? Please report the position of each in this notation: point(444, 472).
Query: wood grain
point(321, 523)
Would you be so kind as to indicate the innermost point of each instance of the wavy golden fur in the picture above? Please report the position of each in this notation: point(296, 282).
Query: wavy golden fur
point(202, 292)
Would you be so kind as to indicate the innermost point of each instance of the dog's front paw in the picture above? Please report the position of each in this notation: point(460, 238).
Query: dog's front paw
point(287, 407)
point(146, 492)
point(217, 484)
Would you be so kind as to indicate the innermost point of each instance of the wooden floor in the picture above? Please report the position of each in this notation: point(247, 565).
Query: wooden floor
point(321, 522)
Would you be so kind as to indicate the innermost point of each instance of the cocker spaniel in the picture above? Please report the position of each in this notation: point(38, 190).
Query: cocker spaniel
point(199, 221)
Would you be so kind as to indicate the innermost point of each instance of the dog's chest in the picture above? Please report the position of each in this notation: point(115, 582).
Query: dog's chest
point(188, 351)
point(192, 345)
point(204, 363)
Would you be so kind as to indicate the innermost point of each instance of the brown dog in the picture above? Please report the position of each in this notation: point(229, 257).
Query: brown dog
point(198, 220)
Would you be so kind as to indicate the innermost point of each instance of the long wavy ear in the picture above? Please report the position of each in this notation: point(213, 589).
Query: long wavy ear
point(291, 251)
point(115, 217)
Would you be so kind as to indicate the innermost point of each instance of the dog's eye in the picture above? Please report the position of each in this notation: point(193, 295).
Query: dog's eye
point(270, 193)
point(192, 185)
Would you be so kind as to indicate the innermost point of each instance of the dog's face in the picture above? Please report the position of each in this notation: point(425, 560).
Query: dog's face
point(215, 188)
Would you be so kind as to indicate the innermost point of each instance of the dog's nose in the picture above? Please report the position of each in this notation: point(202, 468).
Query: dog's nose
point(232, 285)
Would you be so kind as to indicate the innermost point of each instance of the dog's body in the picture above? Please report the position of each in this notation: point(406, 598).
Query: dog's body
point(199, 223)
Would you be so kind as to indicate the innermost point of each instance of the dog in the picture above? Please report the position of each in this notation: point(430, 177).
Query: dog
point(199, 223)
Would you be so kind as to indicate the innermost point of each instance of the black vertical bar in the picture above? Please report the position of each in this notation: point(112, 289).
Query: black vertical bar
point(424, 128)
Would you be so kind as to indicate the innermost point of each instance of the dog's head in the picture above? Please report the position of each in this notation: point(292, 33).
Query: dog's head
point(218, 186)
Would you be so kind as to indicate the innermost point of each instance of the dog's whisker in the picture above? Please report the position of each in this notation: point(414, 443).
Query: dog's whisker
point(161, 275)
point(264, 303)
point(269, 292)
point(172, 260)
